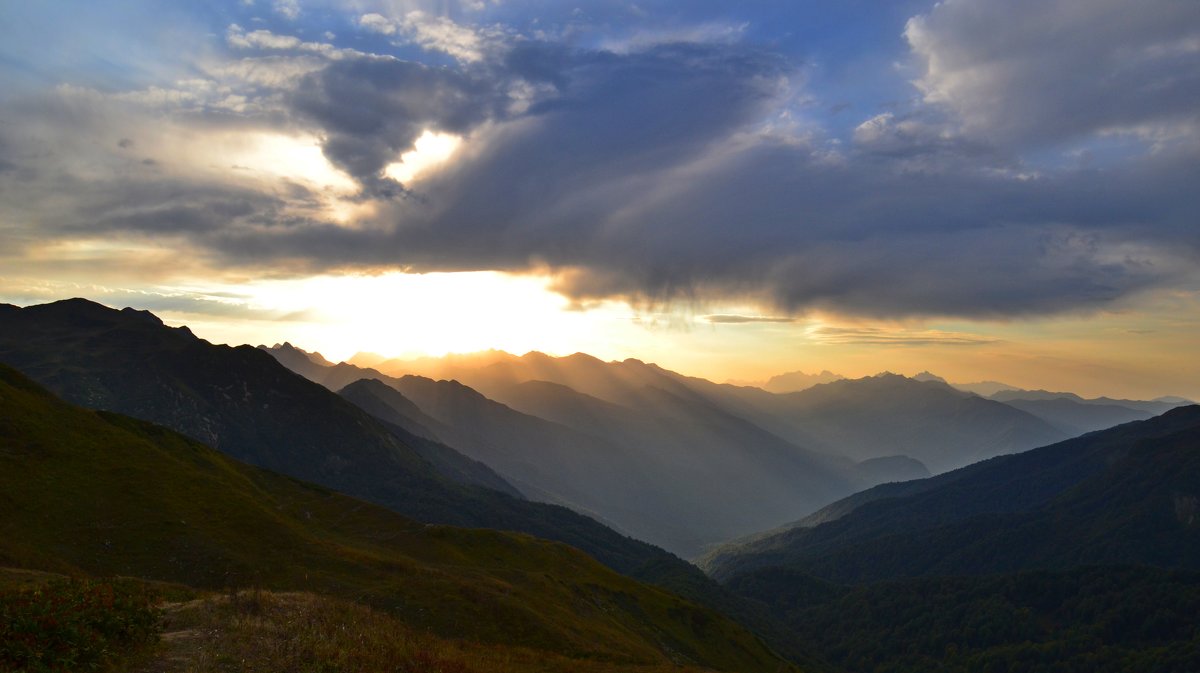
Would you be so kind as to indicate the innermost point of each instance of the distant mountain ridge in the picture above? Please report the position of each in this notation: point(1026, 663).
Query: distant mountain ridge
point(795, 381)
point(625, 462)
point(944, 431)
point(1152, 407)
point(889, 414)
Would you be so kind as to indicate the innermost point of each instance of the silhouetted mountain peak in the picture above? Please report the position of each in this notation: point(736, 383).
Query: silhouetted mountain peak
point(76, 309)
point(929, 376)
point(881, 383)
point(146, 316)
point(797, 381)
point(84, 314)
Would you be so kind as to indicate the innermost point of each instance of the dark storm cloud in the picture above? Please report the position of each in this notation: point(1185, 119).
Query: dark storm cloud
point(648, 175)
point(168, 207)
point(692, 170)
point(373, 110)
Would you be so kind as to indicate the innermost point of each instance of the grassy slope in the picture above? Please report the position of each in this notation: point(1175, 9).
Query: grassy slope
point(269, 631)
point(103, 494)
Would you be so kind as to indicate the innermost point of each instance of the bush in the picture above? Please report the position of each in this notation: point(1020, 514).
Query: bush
point(73, 625)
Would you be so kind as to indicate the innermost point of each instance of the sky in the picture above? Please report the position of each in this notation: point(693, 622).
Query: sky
point(1003, 190)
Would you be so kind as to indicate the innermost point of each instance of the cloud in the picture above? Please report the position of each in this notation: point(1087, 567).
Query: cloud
point(434, 32)
point(289, 9)
point(265, 40)
point(371, 111)
point(680, 169)
point(707, 32)
point(192, 303)
point(729, 319)
point(876, 336)
point(377, 23)
point(1048, 71)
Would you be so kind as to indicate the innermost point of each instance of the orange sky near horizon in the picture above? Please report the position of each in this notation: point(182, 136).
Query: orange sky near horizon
point(1132, 353)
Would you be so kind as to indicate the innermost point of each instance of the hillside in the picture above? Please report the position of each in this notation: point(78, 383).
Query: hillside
point(1124, 495)
point(253, 408)
point(1085, 620)
point(102, 494)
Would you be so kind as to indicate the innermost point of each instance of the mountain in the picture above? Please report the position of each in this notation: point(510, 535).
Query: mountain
point(657, 467)
point(98, 493)
point(239, 400)
point(1074, 417)
point(412, 427)
point(551, 462)
point(1153, 407)
point(859, 419)
point(889, 414)
point(246, 404)
point(795, 381)
point(709, 471)
point(929, 376)
point(1124, 495)
point(388, 404)
point(983, 388)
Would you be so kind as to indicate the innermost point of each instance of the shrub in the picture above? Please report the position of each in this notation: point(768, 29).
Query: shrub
point(73, 625)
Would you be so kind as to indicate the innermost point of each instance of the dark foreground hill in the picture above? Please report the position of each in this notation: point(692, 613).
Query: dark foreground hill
point(1127, 495)
point(103, 494)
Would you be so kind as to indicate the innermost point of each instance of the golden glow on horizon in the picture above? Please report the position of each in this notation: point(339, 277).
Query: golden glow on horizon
point(412, 315)
point(430, 150)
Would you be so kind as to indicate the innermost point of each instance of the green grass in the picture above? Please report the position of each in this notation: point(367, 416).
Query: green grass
point(98, 494)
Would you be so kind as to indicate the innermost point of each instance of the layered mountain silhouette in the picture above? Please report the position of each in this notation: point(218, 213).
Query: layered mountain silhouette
point(889, 414)
point(135, 499)
point(243, 402)
point(1123, 495)
point(1151, 407)
point(859, 419)
point(358, 481)
point(647, 450)
point(796, 381)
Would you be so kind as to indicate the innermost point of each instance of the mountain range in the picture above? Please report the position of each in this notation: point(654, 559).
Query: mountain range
point(657, 464)
point(242, 402)
point(97, 493)
point(646, 439)
point(504, 501)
